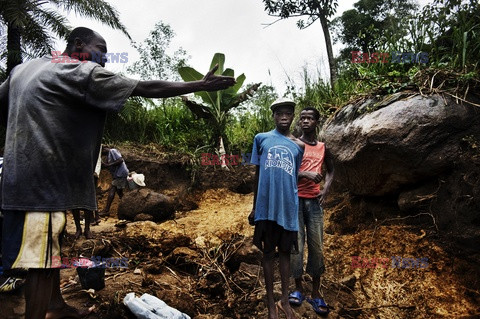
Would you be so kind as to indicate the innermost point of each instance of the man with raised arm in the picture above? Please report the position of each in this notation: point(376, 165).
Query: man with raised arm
point(54, 115)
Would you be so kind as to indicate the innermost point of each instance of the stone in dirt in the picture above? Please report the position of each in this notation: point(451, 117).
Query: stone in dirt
point(146, 201)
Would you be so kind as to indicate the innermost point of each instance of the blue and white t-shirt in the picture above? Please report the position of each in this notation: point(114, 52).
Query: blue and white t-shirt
point(279, 159)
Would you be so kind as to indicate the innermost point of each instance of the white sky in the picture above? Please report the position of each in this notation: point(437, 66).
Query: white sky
point(233, 27)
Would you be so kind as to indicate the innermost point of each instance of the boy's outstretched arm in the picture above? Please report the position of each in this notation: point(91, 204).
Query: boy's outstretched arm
point(162, 89)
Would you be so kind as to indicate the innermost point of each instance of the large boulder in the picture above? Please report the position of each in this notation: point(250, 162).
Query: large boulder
point(409, 155)
point(147, 202)
point(383, 145)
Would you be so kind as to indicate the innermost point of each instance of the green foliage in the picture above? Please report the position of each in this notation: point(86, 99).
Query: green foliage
point(155, 60)
point(375, 25)
point(218, 102)
point(171, 125)
point(177, 129)
point(315, 92)
point(312, 9)
point(31, 24)
point(217, 105)
point(253, 117)
point(448, 31)
point(320, 95)
point(453, 33)
point(384, 78)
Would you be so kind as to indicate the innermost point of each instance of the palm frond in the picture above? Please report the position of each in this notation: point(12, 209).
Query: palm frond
point(37, 39)
point(54, 20)
point(95, 9)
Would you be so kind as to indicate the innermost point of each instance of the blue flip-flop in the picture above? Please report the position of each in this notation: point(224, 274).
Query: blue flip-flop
point(318, 303)
point(296, 298)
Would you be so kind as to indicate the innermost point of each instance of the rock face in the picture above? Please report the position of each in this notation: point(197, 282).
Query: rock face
point(382, 146)
point(408, 154)
point(146, 202)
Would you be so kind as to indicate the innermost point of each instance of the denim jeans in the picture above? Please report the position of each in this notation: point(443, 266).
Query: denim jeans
point(310, 218)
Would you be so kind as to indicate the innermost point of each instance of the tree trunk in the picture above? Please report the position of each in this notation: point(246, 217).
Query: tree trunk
point(328, 42)
point(14, 51)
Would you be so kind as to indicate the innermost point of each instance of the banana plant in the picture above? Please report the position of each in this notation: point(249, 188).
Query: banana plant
point(214, 106)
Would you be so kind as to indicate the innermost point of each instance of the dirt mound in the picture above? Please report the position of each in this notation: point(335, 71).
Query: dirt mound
point(204, 264)
point(183, 176)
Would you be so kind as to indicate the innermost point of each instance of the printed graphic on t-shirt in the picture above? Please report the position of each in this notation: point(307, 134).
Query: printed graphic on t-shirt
point(280, 157)
point(312, 160)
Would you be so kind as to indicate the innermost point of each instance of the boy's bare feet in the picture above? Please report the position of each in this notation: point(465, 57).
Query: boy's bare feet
point(286, 309)
point(273, 312)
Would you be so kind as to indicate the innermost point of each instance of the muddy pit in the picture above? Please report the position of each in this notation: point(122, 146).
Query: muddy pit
point(203, 263)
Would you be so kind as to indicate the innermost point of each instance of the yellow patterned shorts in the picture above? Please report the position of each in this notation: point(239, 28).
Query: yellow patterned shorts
point(31, 239)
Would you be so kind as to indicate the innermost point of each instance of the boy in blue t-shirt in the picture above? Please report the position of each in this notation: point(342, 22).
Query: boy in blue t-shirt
point(278, 155)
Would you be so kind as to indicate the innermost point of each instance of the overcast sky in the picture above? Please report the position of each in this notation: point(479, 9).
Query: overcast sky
point(234, 27)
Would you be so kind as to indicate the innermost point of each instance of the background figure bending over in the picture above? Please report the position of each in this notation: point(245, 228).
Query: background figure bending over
point(116, 164)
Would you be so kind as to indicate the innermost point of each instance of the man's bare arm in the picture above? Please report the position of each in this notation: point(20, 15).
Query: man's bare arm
point(162, 89)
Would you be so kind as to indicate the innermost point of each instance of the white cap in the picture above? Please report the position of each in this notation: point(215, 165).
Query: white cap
point(282, 101)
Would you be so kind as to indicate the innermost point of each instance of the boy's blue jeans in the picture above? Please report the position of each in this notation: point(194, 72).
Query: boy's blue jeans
point(310, 219)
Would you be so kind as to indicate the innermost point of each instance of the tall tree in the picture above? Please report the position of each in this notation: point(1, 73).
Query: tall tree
point(314, 10)
point(155, 61)
point(375, 25)
point(31, 24)
point(217, 105)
